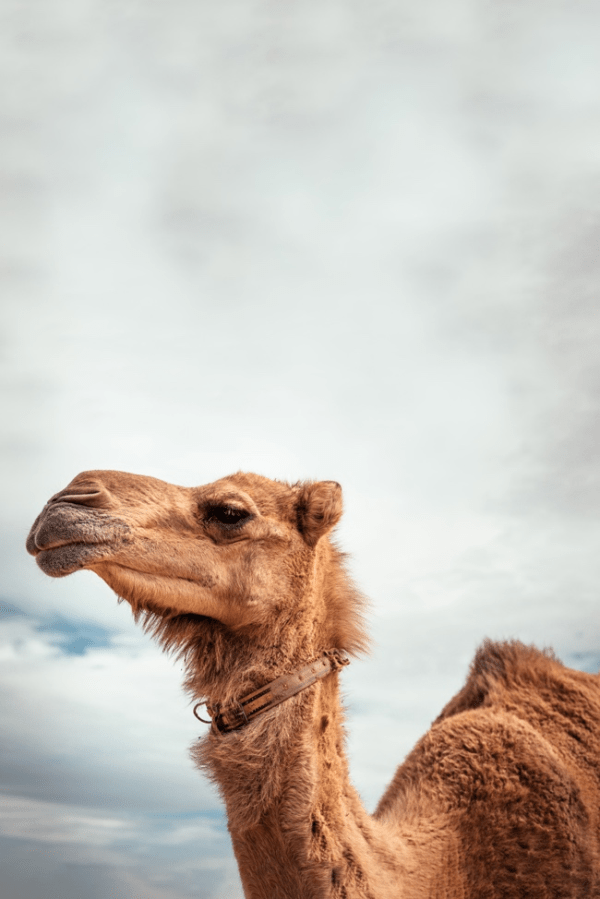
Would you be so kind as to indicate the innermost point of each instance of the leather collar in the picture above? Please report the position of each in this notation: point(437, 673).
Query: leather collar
point(242, 711)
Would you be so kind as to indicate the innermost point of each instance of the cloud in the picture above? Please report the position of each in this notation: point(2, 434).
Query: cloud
point(101, 719)
point(28, 873)
point(58, 823)
point(50, 843)
point(62, 871)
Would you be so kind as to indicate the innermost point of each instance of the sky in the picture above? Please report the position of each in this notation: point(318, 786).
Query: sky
point(354, 241)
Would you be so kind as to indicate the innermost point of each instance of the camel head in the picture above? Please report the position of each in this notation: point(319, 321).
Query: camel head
point(239, 551)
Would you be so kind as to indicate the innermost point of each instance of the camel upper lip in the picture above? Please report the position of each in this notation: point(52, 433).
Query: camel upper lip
point(65, 522)
point(36, 549)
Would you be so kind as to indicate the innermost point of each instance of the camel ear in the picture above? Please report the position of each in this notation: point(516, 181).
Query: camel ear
point(319, 509)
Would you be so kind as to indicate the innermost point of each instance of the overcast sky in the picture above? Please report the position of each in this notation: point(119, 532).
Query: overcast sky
point(352, 240)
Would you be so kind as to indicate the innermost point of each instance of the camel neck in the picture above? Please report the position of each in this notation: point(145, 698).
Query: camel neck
point(298, 827)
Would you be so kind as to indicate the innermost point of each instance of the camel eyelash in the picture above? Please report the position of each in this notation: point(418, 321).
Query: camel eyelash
point(227, 516)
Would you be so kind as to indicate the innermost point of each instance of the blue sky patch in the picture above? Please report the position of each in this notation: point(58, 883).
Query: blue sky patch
point(75, 637)
point(584, 661)
point(8, 610)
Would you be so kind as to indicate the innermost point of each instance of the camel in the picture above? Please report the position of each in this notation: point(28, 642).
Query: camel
point(499, 800)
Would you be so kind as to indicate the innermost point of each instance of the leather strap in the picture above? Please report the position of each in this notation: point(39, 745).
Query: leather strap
point(244, 710)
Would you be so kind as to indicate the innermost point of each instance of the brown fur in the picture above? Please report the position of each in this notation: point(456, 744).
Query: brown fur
point(499, 800)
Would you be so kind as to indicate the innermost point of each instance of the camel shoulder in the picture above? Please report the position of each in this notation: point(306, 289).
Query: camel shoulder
point(520, 708)
point(510, 766)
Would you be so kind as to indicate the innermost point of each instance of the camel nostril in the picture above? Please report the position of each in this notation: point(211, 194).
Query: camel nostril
point(96, 499)
point(86, 499)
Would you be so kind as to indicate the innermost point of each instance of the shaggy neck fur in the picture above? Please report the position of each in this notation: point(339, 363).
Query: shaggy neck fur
point(298, 827)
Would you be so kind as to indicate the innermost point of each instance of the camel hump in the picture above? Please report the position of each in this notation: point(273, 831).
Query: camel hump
point(503, 668)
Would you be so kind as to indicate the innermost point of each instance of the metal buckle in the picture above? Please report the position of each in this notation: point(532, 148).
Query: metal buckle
point(240, 707)
point(219, 723)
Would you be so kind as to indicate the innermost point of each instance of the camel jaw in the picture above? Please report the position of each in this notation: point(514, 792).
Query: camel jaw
point(66, 537)
point(163, 595)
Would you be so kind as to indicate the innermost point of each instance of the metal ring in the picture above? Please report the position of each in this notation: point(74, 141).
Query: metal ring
point(203, 720)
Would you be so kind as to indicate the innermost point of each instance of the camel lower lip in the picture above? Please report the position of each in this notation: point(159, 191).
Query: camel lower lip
point(62, 560)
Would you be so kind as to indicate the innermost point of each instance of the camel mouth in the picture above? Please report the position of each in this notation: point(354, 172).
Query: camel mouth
point(66, 537)
point(59, 561)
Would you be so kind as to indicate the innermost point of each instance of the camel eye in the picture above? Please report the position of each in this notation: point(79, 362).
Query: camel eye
point(228, 516)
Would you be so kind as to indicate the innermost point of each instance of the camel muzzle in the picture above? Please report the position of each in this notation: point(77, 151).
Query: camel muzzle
point(68, 535)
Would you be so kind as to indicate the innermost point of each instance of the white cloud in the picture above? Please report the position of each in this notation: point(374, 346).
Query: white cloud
point(59, 823)
point(115, 715)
